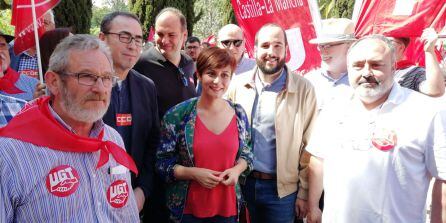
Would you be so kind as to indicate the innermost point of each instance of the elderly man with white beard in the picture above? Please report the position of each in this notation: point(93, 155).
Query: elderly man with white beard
point(375, 153)
point(58, 161)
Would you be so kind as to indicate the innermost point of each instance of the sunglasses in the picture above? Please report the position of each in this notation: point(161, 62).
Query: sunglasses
point(236, 43)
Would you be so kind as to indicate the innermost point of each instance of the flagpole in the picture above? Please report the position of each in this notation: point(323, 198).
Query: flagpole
point(36, 38)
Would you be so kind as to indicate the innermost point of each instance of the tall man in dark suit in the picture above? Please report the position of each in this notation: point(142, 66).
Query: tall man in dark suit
point(133, 110)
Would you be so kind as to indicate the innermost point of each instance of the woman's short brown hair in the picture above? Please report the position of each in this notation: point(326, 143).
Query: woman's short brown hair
point(215, 58)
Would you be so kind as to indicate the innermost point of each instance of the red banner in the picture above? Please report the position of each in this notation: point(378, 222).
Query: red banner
point(23, 21)
point(293, 15)
point(402, 18)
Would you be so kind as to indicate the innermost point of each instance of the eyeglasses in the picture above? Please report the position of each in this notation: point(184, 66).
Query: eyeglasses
point(91, 79)
point(227, 43)
point(125, 37)
point(328, 46)
point(183, 77)
point(4, 46)
point(192, 47)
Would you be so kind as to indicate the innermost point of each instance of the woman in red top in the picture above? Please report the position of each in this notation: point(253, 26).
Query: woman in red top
point(211, 147)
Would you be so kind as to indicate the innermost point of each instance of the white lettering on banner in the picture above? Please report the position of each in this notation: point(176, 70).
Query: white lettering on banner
point(255, 8)
point(404, 7)
point(297, 50)
point(30, 28)
point(288, 4)
point(250, 9)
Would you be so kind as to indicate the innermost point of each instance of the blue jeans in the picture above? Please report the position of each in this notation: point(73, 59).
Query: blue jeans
point(188, 218)
point(264, 204)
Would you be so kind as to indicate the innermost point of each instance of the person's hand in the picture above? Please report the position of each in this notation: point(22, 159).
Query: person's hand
point(207, 178)
point(139, 197)
point(39, 91)
point(301, 208)
point(314, 215)
point(429, 37)
point(230, 176)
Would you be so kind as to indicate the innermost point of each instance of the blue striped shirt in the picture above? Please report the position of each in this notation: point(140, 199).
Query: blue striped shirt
point(9, 107)
point(27, 85)
point(24, 196)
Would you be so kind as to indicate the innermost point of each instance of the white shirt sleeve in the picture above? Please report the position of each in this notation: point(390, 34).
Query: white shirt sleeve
point(436, 147)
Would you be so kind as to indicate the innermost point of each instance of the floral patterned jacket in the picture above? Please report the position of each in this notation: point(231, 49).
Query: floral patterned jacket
point(176, 147)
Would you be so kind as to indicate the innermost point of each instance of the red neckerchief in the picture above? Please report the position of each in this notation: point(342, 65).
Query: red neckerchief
point(35, 124)
point(403, 64)
point(7, 82)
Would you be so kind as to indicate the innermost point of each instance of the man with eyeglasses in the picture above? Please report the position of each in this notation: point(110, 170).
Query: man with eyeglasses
point(193, 47)
point(331, 80)
point(170, 68)
point(59, 162)
point(133, 110)
point(13, 83)
point(231, 37)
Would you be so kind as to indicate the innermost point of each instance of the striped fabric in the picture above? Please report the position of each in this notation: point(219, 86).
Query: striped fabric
point(25, 197)
point(27, 62)
point(411, 77)
point(26, 84)
point(9, 107)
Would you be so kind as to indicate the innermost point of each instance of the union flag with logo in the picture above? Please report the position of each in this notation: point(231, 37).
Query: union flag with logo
point(22, 19)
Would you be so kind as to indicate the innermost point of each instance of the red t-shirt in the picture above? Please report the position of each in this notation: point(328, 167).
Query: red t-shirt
point(215, 152)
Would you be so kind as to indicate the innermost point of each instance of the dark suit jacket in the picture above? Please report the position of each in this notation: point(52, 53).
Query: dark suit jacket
point(166, 76)
point(144, 130)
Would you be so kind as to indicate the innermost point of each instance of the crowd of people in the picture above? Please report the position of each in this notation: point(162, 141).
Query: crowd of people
point(179, 132)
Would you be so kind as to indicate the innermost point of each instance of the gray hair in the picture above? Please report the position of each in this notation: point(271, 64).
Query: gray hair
point(384, 39)
point(51, 13)
point(60, 58)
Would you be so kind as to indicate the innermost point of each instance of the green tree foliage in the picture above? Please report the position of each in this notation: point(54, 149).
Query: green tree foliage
point(100, 11)
point(211, 19)
point(75, 14)
point(5, 22)
point(228, 12)
point(336, 8)
point(147, 10)
point(5, 4)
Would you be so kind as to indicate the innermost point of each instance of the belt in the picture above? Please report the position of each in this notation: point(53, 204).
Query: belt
point(262, 176)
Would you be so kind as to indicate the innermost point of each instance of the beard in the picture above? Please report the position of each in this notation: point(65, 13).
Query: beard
point(74, 107)
point(270, 70)
point(372, 94)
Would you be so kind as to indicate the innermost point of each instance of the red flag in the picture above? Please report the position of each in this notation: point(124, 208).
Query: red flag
point(151, 38)
point(23, 21)
point(402, 18)
point(294, 16)
point(211, 40)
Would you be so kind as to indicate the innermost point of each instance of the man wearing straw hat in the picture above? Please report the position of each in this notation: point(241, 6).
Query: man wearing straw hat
point(331, 80)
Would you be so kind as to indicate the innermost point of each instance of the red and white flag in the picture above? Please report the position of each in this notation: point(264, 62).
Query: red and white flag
point(22, 19)
point(211, 40)
point(401, 18)
point(294, 16)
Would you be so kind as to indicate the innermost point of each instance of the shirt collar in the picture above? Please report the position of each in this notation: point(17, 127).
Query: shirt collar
point(325, 74)
point(262, 85)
